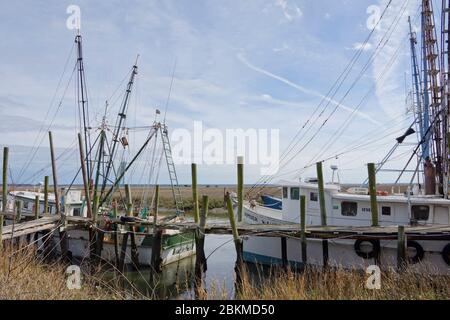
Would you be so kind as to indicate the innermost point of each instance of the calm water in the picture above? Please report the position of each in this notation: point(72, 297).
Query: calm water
point(176, 280)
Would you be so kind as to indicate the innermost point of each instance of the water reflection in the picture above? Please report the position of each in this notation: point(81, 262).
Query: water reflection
point(177, 279)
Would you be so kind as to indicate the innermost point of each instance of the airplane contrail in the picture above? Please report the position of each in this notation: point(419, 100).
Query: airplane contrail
point(304, 90)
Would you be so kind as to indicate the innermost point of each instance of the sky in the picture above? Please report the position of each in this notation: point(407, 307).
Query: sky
point(259, 64)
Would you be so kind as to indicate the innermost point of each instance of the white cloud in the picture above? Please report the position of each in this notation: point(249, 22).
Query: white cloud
point(362, 46)
point(290, 12)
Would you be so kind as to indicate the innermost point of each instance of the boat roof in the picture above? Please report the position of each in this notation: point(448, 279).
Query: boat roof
point(31, 195)
point(396, 198)
point(307, 185)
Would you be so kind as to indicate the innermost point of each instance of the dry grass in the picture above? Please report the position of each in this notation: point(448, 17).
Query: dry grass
point(23, 276)
point(314, 284)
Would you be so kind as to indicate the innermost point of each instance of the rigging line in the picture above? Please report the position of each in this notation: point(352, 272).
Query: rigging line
point(33, 155)
point(43, 169)
point(366, 67)
point(170, 91)
point(51, 104)
point(346, 73)
point(381, 45)
point(338, 133)
point(357, 147)
point(425, 139)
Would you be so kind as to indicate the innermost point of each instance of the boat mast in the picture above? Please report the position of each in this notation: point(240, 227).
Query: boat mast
point(418, 111)
point(445, 64)
point(119, 126)
point(83, 106)
point(432, 93)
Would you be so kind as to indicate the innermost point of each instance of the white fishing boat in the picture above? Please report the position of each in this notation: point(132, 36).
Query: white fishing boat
point(426, 202)
point(175, 245)
point(103, 165)
point(350, 208)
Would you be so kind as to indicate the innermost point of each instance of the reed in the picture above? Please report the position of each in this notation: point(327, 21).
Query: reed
point(340, 284)
point(24, 276)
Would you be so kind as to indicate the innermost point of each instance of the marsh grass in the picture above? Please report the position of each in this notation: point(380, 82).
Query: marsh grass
point(339, 284)
point(23, 275)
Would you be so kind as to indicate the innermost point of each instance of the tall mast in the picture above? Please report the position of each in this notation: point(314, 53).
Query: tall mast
point(445, 69)
point(417, 85)
point(432, 87)
point(118, 127)
point(83, 106)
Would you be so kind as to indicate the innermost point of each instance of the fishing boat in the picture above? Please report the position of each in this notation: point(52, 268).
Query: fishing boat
point(103, 168)
point(425, 203)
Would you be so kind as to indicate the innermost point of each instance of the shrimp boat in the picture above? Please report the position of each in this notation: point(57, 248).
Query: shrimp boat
point(426, 202)
point(103, 175)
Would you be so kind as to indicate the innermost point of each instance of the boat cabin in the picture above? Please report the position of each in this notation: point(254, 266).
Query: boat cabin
point(352, 207)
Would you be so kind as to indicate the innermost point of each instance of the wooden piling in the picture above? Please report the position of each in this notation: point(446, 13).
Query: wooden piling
point(200, 257)
point(5, 179)
point(373, 194)
point(36, 213)
point(237, 242)
point(284, 254)
point(55, 183)
point(123, 252)
point(4, 191)
point(323, 212)
point(194, 193)
point(19, 205)
point(200, 261)
point(129, 200)
point(157, 239)
point(134, 251)
point(116, 233)
point(45, 195)
point(240, 187)
point(401, 249)
point(303, 229)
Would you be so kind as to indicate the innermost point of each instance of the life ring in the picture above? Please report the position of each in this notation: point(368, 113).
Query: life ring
point(420, 253)
point(367, 255)
point(446, 254)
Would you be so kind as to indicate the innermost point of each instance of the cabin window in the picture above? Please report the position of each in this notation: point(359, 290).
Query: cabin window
point(295, 193)
point(313, 196)
point(25, 205)
point(349, 209)
point(420, 213)
point(76, 212)
point(386, 211)
point(285, 192)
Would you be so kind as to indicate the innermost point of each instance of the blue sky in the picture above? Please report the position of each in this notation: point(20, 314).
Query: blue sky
point(240, 64)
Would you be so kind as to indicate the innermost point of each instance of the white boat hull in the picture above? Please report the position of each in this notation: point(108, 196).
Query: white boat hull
point(341, 253)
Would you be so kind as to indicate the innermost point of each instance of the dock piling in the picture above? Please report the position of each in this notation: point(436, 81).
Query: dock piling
point(200, 257)
point(373, 194)
point(240, 187)
point(323, 212)
point(45, 195)
point(401, 249)
point(194, 193)
point(157, 239)
point(237, 241)
point(4, 191)
point(303, 229)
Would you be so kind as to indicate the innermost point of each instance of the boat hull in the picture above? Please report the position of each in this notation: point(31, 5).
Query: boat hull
point(341, 253)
